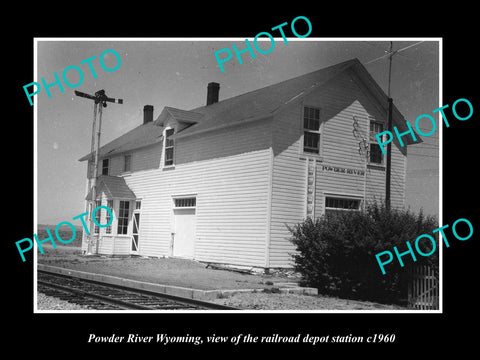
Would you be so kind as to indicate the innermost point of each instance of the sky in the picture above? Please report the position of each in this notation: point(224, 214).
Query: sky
point(176, 73)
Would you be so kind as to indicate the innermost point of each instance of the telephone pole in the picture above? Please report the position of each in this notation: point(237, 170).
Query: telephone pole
point(389, 128)
point(100, 100)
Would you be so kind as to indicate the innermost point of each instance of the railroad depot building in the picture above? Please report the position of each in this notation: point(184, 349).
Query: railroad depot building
point(219, 183)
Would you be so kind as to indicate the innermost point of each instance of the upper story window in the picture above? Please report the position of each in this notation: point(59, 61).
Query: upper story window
point(169, 146)
point(127, 163)
point(311, 130)
point(376, 156)
point(105, 165)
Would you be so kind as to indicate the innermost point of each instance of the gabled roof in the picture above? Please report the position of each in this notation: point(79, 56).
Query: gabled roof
point(251, 106)
point(143, 135)
point(262, 102)
point(114, 187)
point(184, 116)
point(267, 101)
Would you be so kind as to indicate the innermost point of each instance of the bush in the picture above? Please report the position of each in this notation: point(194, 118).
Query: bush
point(336, 253)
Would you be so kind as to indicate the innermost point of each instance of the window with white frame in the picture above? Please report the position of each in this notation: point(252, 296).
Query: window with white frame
point(127, 162)
point(376, 156)
point(336, 204)
point(169, 147)
point(311, 130)
point(108, 229)
point(185, 202)
point(123, 214)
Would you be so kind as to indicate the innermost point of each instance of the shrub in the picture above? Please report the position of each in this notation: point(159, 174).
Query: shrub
point(336, 253)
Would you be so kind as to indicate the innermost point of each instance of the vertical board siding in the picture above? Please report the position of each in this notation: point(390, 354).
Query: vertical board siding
point(231, 207)
point(339, 100)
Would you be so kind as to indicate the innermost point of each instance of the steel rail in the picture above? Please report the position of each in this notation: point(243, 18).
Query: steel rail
point(203, 305)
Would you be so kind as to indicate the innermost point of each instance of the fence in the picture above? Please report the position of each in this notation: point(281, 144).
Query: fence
point(423, 288)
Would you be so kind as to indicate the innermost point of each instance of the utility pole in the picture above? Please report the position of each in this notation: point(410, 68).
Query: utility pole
point(388, 174)
point(389, 128)
point(100, 101)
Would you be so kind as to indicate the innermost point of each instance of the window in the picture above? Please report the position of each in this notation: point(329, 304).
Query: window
point(138, 205)
point(311, 130)
point(123, 214)
point(376, 156)
point(98, 215)
point(127, 163)
point(169, 144)
point(333, 204)
point(105, 163)
point(185, 202)
point(108, 229)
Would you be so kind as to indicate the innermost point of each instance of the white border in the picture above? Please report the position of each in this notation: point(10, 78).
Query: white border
point(35, 178)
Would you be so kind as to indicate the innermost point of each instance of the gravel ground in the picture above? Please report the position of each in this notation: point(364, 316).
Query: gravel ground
point(273, 301)
point(45, 302)
point(168, 271)
point(251, 301)
point(193, 274)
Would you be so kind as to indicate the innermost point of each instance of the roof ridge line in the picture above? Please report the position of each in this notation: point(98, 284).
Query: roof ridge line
point(343, 63)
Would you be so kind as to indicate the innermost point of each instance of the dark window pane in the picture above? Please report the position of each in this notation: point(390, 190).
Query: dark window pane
point(376, 155)
point(311, 142)
point(338, 203)
point(105, 163)
point(127, 162)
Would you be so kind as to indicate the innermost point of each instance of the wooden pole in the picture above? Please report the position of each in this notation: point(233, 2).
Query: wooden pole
point(93, 181)
point(389, 128)
point(389, 157)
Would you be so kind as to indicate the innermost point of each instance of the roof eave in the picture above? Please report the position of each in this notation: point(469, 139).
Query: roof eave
point(221, 127)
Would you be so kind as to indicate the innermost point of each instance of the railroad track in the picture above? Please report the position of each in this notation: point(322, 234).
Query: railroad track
point(101, 296)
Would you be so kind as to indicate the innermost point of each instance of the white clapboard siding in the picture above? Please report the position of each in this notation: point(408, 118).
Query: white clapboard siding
point(142, 159)
point(231, 207)
point(106, 245)
point(232, 141)
point(288, 185)
point(339, 100)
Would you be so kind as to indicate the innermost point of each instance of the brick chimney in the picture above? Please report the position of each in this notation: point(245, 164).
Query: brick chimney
point(147, 113)
point(213, 89)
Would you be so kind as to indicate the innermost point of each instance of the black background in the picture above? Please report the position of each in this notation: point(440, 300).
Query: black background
point(60, 335)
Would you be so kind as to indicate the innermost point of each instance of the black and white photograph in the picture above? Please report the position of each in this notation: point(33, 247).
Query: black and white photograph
point(272, 186)
point(225, 186)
